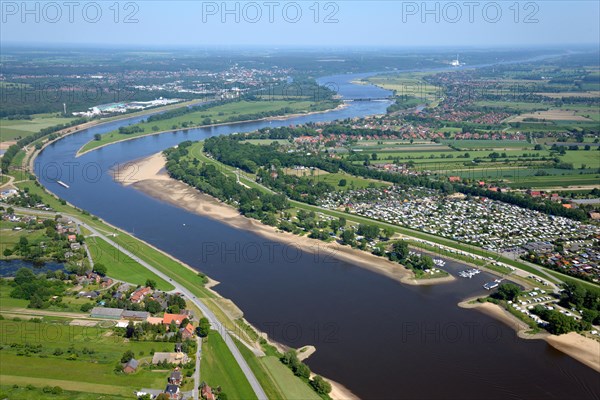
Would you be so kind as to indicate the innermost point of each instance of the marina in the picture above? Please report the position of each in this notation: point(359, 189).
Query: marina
point(469, 273)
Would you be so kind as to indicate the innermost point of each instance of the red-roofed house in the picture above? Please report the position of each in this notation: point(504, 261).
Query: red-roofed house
point(139, 294)
point(178, 318)
point(454, 178)
point(207, 393)
point(187, 332)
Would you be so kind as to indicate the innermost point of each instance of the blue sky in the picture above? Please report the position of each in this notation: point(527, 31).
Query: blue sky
point(280, 23)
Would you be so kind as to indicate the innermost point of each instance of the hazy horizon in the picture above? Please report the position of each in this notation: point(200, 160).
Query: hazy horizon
point(154, 24)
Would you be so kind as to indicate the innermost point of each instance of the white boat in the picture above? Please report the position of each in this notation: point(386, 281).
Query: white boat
point(61, 183)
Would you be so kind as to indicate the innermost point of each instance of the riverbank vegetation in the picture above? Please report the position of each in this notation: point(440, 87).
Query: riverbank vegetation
point(575, 309)
point(188, 163)
point(298, 161)
point(307, 97)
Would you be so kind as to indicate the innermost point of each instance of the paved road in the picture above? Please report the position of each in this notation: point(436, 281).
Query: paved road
point(214, 322)
point(197, 372)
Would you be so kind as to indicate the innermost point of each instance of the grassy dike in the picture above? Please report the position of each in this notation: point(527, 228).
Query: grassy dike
point(179, 272)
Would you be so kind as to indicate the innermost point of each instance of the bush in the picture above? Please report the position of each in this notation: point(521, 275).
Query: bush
point(320, 385)
point(128, 355)
point(507, 291)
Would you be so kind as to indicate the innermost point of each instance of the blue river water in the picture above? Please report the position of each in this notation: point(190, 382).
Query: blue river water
point(379, 338)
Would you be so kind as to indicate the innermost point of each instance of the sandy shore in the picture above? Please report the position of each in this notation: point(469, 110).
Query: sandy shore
point(306, 351)
point(148, 175)
point(581, 348)
point(340, 392)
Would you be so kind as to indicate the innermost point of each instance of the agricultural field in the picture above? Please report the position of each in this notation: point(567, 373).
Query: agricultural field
point(21, 388)
point(513, 106)
point(12, 130)
point(553, 181)
point(266, 142)
point(393, 142)
point(352, 182)
point(559, 95)
point(409, 84)
point(400, 147)
point(10, 237)
point(73, 357)
point(580, 158)
point(550, 115)
point(514, 162)
point(489, 144)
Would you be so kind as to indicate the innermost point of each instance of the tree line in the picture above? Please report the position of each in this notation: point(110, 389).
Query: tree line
point(232, 151)
point(206, 178)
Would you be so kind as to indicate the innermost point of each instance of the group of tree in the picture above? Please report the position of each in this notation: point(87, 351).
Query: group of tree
point(507, 291)
point(559, 323)
point(38, 289)
point(583, 298)
point(400, 253)
point(320, 385)
point(203, 327)
point(208, 179)
point(130, 130)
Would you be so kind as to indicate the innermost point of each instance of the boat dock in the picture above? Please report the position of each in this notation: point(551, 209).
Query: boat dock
point(490, 285)
point(469, 273)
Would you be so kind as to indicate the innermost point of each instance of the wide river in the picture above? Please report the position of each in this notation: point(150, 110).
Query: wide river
point(379, 338)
